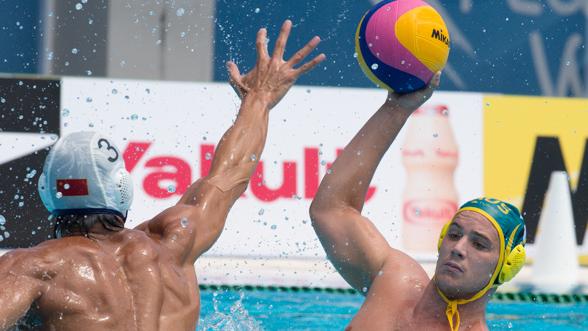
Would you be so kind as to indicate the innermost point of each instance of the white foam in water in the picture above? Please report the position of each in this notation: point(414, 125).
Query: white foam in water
point(237, 319)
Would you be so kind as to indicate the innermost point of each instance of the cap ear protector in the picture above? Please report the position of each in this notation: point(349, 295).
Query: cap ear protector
point(442, 234)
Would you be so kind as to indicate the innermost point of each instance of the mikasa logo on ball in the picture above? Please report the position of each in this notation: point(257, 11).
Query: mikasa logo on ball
point(438, 34)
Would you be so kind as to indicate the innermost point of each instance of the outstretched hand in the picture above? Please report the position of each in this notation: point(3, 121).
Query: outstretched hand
point(272, 76)
point(412, 101)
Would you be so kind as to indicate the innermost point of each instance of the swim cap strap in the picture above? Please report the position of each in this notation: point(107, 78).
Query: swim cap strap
point(450, 312)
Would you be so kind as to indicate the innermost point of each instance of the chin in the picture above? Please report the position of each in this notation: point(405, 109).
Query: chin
point(452, 287)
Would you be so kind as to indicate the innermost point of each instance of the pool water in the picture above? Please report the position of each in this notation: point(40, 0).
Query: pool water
point(275, 310)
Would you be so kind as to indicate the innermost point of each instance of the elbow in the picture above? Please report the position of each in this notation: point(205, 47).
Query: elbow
point(318, 213)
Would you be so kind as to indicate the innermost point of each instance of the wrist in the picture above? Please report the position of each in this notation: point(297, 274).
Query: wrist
point(393, 106)
point(258, 99)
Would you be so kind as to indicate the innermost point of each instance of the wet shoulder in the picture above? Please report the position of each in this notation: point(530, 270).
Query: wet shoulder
point(137, 248)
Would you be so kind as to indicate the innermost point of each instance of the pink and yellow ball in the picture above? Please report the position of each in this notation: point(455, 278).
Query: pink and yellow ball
point(401, 44)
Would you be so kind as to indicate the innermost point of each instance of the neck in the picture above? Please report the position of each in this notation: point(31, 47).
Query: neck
point(432, 305)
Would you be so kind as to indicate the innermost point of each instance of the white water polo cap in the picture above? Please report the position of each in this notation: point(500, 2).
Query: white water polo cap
point(83, 174)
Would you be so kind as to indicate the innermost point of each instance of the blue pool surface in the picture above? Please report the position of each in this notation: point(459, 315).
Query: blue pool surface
point(275, 310)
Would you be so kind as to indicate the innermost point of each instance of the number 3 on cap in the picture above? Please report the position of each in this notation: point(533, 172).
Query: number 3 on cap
point(103, 143)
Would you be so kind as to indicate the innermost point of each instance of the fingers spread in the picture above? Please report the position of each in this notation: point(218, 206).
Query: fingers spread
point(304, 51)
point(282, 40)
point(234, 74)
point(311, 64)
point(261, 45)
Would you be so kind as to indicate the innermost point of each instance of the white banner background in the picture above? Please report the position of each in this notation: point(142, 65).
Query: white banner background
point(177, 119)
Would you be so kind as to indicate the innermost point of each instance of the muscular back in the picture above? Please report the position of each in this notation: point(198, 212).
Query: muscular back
point(122, 281)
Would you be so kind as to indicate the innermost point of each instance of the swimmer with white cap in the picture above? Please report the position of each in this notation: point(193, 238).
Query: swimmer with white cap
point(97, 275)
point(481, 247)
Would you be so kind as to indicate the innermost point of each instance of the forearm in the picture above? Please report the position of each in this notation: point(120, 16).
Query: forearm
point(239, 150)
point(352, 172)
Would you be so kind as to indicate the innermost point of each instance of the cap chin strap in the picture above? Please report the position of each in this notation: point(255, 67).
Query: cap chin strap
point(451, 311)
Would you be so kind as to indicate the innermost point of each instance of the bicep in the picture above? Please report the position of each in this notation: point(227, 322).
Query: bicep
point(192, 226)
point(353, 244)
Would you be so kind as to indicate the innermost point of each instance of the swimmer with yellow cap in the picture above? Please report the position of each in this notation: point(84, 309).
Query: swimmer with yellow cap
point(481, 247)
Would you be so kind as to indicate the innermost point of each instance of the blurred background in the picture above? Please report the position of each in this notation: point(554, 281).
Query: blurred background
point(531, 47)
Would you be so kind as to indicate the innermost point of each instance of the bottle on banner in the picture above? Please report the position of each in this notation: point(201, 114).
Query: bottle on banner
point(429, 156)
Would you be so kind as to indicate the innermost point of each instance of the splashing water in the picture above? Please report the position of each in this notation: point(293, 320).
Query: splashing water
point(236, 319)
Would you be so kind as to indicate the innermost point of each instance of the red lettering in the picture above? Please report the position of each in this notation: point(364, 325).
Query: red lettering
point(311, 172)
point(133, 153)
point(182, 176)
point(286, 190)
point(206, 156)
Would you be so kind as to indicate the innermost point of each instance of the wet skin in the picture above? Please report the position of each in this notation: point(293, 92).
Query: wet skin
point(398, 293)
point(144, 279)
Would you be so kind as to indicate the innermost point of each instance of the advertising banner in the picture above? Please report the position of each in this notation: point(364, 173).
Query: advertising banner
point(167, 133)
point(526, 139)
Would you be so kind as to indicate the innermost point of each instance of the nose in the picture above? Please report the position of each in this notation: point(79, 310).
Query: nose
point(458, 250)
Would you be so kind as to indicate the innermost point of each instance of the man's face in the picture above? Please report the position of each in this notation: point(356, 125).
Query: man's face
point(468, 256)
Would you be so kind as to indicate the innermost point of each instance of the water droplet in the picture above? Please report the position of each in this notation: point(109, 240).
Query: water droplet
point(435, 135)
point(171, 189)
point(66, 186)
point(184, 222)
point(114, 91)
point(32, 174)
point(273, 227)
point(58, 195)
point(261, 211)
point(208, 156)
point(180, 12)
point(65, 112)
point(134, 117)
point(568, 63)
point(375, 66)
point(253, 157)
point(257, 10)
point(355, 55)
point(20, 204)
point(79, 6)
point(89, 99)
point(2, 220)
point(74, 51)
point(2, 100)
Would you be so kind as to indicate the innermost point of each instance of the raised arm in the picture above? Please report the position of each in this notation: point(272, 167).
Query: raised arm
point(20, 287)
point(196, 222)
point(351, 241)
